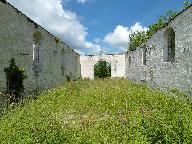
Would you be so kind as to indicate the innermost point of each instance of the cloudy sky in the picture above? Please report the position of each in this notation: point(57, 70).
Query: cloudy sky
point(91, 26)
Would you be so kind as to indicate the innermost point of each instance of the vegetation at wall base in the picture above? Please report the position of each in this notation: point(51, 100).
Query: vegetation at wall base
point(15, 76)
point(100, 111)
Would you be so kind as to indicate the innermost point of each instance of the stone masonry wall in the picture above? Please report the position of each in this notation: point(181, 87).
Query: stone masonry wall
point(47, 63)
point(117, 65)
point(176, 74)
point(50, 62)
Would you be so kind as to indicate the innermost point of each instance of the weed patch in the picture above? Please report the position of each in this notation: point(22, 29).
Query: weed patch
point(100, 111)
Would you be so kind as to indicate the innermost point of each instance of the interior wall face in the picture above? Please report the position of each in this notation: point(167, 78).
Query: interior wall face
point(158, 70)
point(47, 62)
point(117, 65)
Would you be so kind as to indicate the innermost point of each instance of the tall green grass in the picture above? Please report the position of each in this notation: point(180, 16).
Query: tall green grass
point(100, 111)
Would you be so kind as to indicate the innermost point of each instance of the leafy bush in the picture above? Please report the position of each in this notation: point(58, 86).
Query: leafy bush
point(187, 3)
point(136, 39)
point(100, 111)
point(102, 69)
point(15, 76)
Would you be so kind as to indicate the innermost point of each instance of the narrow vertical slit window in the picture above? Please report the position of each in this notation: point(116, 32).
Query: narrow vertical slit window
point(144, 55)
point(36, 52)
point(129, 61)
point(62, 62)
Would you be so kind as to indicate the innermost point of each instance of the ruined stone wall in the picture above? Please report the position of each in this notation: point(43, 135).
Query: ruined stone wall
point(117, 65)
point(47, 62)
point(157, 71)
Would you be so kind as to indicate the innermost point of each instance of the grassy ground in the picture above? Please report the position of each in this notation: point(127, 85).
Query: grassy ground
point(101, 111)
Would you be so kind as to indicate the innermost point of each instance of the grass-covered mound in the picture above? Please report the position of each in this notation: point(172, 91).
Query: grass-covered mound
point(101, 111)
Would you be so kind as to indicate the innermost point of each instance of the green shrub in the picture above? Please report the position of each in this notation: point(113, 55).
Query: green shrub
point(102, 69)
point(137, 38)
point(15, 76)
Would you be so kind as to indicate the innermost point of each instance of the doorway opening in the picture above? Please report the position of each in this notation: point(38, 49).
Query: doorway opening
point(102, 69)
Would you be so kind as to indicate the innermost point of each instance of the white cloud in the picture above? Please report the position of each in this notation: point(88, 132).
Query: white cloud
point(52, 16)
point(119, 38)
point(82, 1)
point(138, 27)
point(65, 24)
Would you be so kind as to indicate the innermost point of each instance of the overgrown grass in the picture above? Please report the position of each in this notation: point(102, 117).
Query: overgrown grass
point(101, 111)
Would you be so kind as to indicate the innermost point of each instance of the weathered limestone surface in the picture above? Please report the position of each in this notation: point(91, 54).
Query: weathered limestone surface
point(49, 62)
point(153, 68)
point(54, 60)
point(117, 65)
point(176, 74)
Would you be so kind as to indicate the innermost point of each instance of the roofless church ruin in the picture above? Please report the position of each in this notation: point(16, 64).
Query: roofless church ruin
point(164, 60)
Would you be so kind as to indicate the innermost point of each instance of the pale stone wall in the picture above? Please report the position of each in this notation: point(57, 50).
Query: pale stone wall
point(176, 74)
point(56, 59)
point(117, 65)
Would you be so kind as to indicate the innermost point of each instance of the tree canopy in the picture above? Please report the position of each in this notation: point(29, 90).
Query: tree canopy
point(137, 38)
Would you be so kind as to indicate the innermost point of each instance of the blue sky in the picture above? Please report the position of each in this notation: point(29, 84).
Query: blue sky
point(102, 16)
point(90, 26)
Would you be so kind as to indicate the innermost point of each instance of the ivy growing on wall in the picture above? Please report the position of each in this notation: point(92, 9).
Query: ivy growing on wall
point(37, 36)
point(57, 40)
point(137, 38)
point(187, 3)
point(15, 76)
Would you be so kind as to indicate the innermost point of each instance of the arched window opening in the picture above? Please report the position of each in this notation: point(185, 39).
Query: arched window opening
point(35, 51)
point(169, 50)
point(37, 36)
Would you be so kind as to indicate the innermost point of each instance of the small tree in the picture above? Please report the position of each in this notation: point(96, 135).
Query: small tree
point(137, 38)
point(187, 3)
point(102, 69)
